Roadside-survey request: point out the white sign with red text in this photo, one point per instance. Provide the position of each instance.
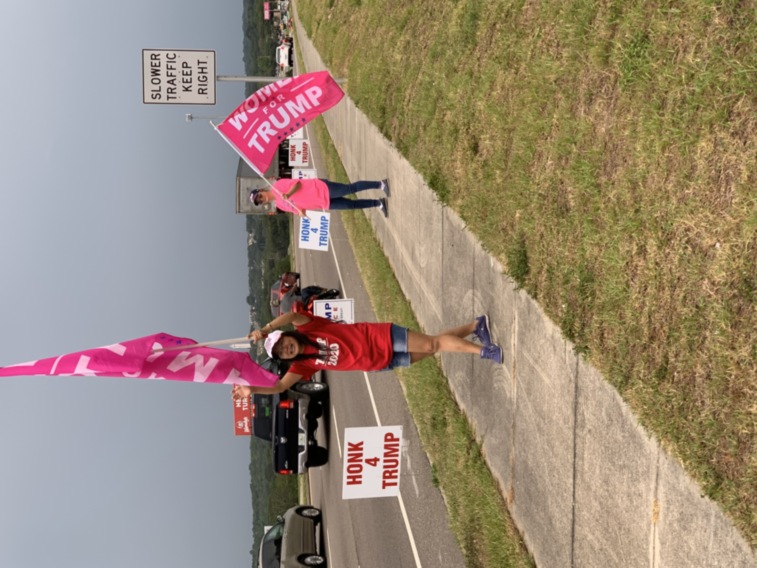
(371, 462)
(299, 152)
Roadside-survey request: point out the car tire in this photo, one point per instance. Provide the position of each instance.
(311, 560)
(310, 513)
(317, 456)
(315, 411)
(312, 388)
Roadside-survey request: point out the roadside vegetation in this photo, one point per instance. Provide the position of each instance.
(604, 151)
(477, 511)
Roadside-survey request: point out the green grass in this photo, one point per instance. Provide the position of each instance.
(605, 153)
(478, 514)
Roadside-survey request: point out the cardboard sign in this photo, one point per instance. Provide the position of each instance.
(299, 173)
(342, 309)
(314, 230)
(372, 462)
(242, 417)
(299, 152)
(299, 134)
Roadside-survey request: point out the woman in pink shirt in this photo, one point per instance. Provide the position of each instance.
(298, 196)
(322, 344)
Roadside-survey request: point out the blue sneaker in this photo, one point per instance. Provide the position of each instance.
(493, 352)
(482, 332)
(385, 187)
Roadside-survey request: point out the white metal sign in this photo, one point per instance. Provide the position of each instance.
(314, 230)
(299, 134)
(342, 309)
(299, 152)
(178, 77)
(371, 462)
(299, 173)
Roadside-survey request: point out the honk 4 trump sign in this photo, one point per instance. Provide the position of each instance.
(371, 462)
(314, 230)
(271, 114)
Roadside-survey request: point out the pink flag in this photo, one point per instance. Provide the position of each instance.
(138, 359)
(257, 127)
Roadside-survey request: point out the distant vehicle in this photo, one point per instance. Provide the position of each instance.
(287, 296)
(284, 57)
(262, 416)
(295, 421)
(293, 540)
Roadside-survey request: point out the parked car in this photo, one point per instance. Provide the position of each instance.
(295, 415)
(295, 421)
(262, 416)
(284, 57)
(293, 540)
(284, 292)
(287, 296)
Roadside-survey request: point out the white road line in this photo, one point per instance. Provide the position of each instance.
(328, 546)
(336, 429)
(410, 536)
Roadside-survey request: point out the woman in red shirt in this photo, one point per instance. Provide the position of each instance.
(321, 344)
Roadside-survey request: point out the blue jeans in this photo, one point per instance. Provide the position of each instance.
(338, 191)
(400, 358)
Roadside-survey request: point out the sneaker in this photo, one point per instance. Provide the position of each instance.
(384, 207)
(385, 187)
(493, 352)
(482, 332)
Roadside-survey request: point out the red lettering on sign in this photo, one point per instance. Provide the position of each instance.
(390, 476)
(354, 463)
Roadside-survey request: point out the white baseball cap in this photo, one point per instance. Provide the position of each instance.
(270, 341)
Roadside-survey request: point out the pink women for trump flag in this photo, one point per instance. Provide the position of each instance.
(142, 358)
(257, 127)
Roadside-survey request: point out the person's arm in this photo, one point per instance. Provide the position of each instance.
(239, 392)
(295, 188)
(295, 318)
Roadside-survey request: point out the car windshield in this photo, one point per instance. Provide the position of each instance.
(270, 550)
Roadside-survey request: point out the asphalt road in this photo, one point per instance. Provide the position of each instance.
(411, 530)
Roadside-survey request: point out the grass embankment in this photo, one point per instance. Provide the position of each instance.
(605, 153)
(477, 511)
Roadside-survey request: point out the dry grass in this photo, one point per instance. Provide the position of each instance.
(605, 152)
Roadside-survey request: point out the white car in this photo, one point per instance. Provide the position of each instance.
(283, 57)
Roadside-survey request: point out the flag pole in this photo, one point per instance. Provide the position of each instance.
(204, 344)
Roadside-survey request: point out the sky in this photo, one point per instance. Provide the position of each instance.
(117, 222)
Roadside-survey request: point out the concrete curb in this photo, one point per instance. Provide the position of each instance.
(586, 485)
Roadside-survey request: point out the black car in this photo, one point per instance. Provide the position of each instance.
(295, 421)
(295, 415)
(262, 416)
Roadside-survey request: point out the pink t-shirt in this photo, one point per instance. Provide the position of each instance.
(346, 347)
(313, 195)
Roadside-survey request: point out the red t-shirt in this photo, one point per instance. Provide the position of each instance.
(346, 346)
